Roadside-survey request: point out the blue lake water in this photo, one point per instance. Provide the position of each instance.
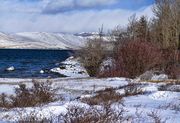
(28, 62)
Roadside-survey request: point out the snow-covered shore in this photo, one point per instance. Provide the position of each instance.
(164, 101)
(71, 68)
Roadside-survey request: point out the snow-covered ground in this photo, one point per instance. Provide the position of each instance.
(71, 68)
(164, 103)
(155, 101)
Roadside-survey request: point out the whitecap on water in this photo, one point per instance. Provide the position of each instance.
(10, 68)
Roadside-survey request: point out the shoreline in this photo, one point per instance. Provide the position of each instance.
(46, 49)
(15, 81)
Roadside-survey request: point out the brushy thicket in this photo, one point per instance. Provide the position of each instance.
(170, 66)
(105, 112)
(92, 56)
(110, 96)
(133, 58)
(39, 93)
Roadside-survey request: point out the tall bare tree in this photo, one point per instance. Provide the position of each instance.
(166, 26)
(139, 28)
(166, 23)
(132, 27)
(143, 29)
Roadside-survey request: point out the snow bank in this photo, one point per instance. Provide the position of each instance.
(161, 77)
(152, 76)
(71, 68)
(164, 95)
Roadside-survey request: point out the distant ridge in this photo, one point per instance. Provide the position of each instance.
(41, 40)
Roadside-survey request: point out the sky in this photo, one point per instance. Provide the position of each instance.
(69, 16)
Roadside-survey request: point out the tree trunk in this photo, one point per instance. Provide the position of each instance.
(178, 52)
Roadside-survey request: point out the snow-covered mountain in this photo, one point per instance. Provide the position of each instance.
(41, 40)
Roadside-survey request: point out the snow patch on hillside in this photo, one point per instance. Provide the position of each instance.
(41, 40)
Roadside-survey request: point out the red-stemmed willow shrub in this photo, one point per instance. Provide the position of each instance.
(133, 58)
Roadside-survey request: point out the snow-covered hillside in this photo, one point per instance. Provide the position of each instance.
(41, 40)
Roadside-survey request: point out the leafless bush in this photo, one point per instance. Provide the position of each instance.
(133, 89)
(133, 58)
(76, 114)
(172, 106)
(154, 115)
(173, 70)
(92, 55)
(40, 93)
(171, 86)
(169, 64)
(32, 119)
(4, 102)
(107, 96)
(175, 107)
(93, 115)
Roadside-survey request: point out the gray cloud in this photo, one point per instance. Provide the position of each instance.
(56, 6)
(21, 6)
(16, 16)
(71, 22)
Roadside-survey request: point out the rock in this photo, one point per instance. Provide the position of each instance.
(153, 76)
(41, 71)
(62, 67)
(146, 76)
(107, 64)
(55, 69)
(81, 72)
(10, 68)
(161, 77)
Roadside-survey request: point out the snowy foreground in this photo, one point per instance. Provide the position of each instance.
(154, 103)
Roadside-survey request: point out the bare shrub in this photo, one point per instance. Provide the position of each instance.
(43, 91)
(4, 102)
(175, 106)
(154, 115)
(173, 70)
(107, 96)
(40, 93)
(150, 117)
(133, 58)
(93, 115)
(133, 89)
(171, 86)
(172, 106)
(23, 97)
(92, 55)
(75, 114)
(33, 119)
(170, 65)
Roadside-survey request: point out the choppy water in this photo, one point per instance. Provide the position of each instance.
(28, 62)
